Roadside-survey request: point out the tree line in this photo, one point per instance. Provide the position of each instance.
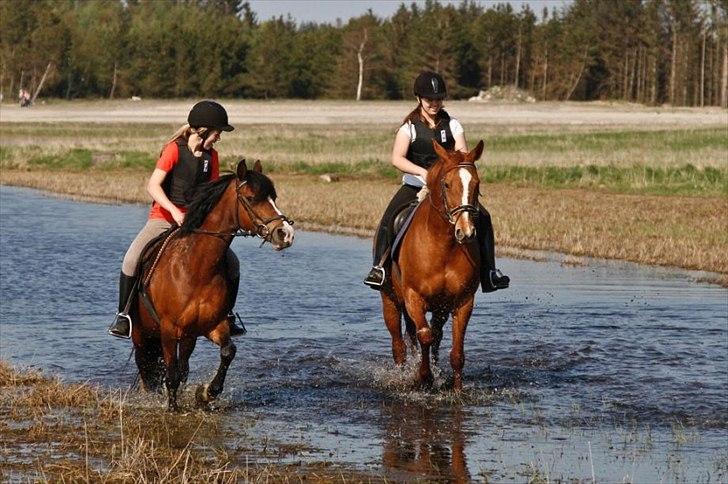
(644, 51)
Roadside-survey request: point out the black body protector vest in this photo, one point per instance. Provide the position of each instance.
(187, 173)
(421, 151)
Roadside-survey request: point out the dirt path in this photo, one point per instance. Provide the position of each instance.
(244, 112)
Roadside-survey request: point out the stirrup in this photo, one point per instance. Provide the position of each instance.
(376, 277)
(498, 280)
(115, 330)
(236, 330)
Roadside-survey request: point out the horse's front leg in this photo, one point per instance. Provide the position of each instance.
(439, 318)
(186, 347)
(221, 337)
(416, 308)
(460, 318)
(393, 321)
(171, 363)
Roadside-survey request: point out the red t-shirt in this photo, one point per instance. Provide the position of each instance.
(169, 157)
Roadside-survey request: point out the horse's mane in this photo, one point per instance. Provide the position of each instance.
(207, 195)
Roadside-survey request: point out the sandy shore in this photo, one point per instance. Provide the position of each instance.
(245, 112)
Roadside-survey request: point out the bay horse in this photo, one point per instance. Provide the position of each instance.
(189, 292)
(436, 268)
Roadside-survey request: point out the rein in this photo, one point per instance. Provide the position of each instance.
(452, 215)
(261, 225)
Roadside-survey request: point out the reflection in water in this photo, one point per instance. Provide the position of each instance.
(424, 442)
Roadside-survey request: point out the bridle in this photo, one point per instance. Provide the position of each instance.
(261, 225)
(452, 215)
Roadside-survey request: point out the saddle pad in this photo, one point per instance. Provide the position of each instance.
(412, 208)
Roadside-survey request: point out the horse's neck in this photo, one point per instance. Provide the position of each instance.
(220, 220)
(433, 214)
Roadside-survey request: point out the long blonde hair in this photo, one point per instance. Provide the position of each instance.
(184, 132)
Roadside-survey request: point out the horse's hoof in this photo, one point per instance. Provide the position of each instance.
(202, 394)
(424, 383)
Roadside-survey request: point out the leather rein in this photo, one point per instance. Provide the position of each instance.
(452, 214)
(261, 225)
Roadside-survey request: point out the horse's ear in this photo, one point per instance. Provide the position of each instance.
(258, 167)
(441, 152)
(242, 169)
(476, 152)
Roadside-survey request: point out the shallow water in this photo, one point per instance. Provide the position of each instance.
(611, 366)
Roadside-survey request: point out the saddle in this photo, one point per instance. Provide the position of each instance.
(147, 264)
(400, 224)
(150, 254)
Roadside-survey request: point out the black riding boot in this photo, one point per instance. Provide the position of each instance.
(235, 330)
(121, 327)
(491, 279)
(377, 275)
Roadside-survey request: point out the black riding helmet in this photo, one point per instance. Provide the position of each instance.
(209, 114)
(430, 85)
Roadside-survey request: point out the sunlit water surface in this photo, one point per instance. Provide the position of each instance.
(612, 369)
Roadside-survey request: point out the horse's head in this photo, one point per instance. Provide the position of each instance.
(454, 180)
(257, 211)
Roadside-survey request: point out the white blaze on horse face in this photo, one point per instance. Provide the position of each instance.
(287, 229)
(465, 179)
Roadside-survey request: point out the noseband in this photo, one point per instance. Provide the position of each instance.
(452, 214)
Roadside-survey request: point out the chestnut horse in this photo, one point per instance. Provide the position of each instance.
(436, 268)
(189, 292)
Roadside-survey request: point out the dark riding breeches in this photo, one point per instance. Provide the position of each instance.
(408, 194)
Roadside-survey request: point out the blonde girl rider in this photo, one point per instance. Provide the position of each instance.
(187, 160)
(413, 154)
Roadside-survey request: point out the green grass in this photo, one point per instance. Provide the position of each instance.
(664, 140)
(665, 162)
(683, 180)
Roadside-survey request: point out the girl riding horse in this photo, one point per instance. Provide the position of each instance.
(187, 160)
(413, 154)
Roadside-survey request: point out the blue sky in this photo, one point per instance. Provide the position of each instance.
(329, 10)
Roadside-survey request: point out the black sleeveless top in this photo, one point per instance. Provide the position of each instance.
(420, 151)
(188, 172)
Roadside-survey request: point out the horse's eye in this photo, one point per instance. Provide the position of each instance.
(447, 185)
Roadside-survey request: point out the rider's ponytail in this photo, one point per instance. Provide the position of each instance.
(184, 132)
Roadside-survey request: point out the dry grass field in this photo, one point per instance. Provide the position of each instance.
(58, 432)
(628, 182)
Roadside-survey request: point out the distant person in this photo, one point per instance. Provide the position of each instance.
(24, 98)
(186, 161)
(413, 154)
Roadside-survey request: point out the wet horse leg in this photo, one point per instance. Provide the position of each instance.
(146, 355)
(417, 308)
(171, 362)
(461, 316)
(221, 337)
(393, 321)
(186, 347)
(439, 318)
